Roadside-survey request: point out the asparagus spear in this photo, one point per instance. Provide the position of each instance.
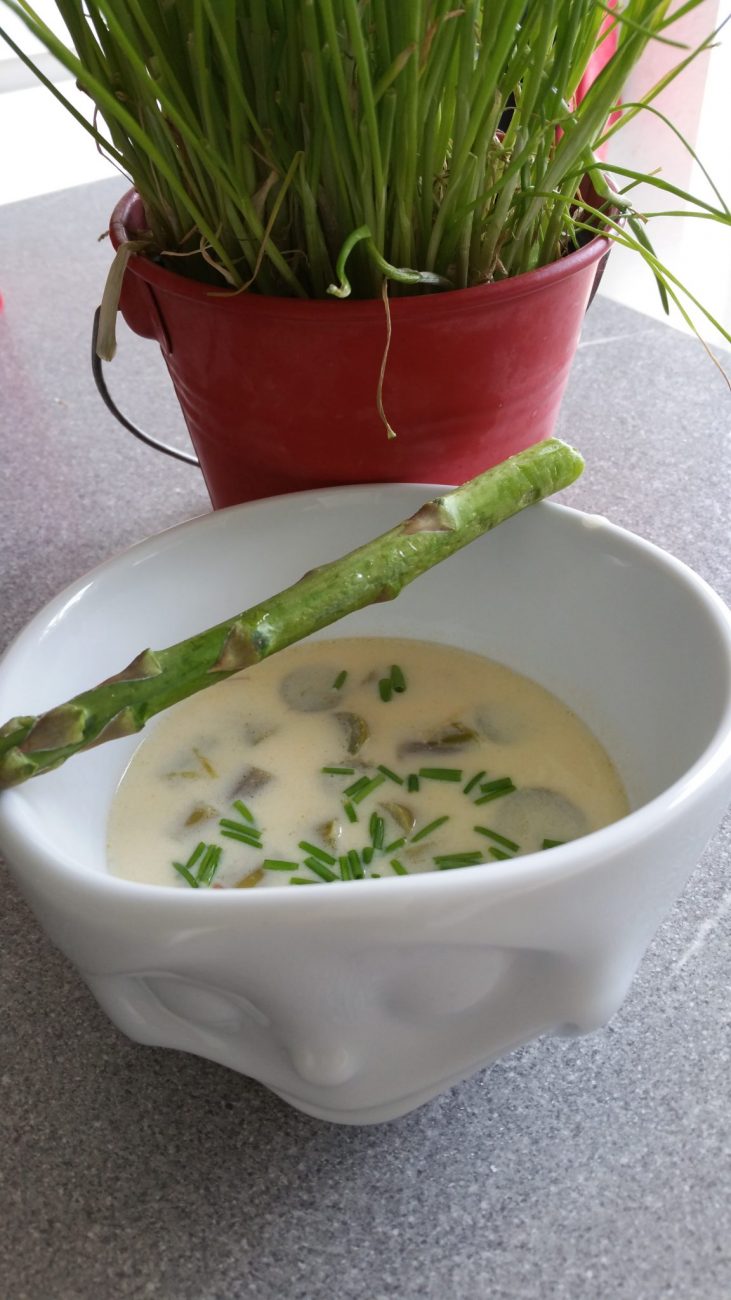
(377, 571)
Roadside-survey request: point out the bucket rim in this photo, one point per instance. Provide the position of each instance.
(452, 301)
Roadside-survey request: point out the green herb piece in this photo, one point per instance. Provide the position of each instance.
(367, 854)
(392, 776)
(500, 854)
(340, 679)
(350, 790)
(474, 781)
(302, 880)
(279, 864)
(394, 845)
(316, 852)
(186, 874)
(320, 869)
(355, 864)
(502, 783)
(398, 681)
(427, 830)
(441, 773)
(412, 783)
(338, 771)
(368, 788)
(552, 844)
(345, 872)
(227, 824)
(350, 812)
(197, 851)
(499, 839)
(375, 875)
(398, 867)
(449, 861)
(242, 839)
(209, 864)
(385, 689)
(495, 790)
(376, 830)
(243, 811)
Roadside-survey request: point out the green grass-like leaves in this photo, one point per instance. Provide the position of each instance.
(331, 145)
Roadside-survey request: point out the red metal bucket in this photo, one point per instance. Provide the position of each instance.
(280, 394)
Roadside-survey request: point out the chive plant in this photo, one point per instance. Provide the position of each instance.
(336, 145)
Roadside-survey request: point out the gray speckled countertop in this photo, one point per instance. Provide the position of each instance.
(589, 1169)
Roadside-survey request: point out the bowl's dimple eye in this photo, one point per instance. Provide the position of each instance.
(209, 1007)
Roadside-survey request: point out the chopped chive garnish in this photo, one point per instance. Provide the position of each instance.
(301, 880)
(316, 852)
(279, 864)
(320, 869)
(199, 848)
(500, 854)
(441, 773)
(186, 874)
(367, 854)
(368, 788)
(427, 830)
(448, 861)
(494, 794)
(392, 776)
(502, 783)
(412, 784)
(398, 681)
(338, 771)
(499, 839)
(209, 864)
(340, 679)
(350, 790)
(355, 865)
(399, 867)
(345, 872)
(243, 811)
(375, 875)
(378, 833)
(226, 824)
(350, 812)
(552, 844)
(394, 845)
(475, 780)
(252, 841)
(372, 823)
(385, 689)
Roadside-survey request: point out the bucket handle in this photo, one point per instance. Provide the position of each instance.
(101, 383)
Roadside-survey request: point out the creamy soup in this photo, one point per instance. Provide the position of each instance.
(357, 759)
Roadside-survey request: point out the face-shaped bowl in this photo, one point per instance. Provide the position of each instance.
(358, 1003)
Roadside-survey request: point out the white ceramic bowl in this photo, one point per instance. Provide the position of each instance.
(358, 1004)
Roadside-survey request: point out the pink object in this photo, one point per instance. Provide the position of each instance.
(279, 394)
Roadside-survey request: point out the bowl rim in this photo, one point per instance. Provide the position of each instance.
(17, 825)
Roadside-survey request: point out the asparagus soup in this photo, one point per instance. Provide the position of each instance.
(352, 759)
